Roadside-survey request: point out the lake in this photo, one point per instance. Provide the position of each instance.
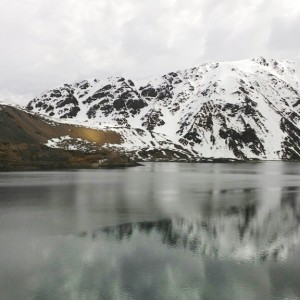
(159, 231)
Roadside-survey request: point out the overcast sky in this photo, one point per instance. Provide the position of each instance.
(45, 43)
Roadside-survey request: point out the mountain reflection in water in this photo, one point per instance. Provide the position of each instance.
(238, 232)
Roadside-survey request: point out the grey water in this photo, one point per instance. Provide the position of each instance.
(160, 231)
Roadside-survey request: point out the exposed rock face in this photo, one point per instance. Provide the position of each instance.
(240, 110)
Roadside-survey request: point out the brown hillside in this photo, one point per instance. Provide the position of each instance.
(17, 126)
(23, 135)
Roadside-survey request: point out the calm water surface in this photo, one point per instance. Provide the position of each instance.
(161, 231)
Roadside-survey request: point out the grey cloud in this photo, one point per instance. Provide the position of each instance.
(50, 42)
(285, 35)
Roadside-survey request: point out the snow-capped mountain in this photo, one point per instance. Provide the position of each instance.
(247, 109)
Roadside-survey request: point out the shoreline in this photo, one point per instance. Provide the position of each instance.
(111, 166)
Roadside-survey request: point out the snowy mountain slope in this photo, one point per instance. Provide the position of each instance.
(241, 110)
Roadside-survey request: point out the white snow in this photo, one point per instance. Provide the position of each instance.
(69, 143)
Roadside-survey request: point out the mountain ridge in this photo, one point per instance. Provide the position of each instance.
(246, 109)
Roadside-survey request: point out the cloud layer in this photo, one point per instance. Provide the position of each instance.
(45, 43)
